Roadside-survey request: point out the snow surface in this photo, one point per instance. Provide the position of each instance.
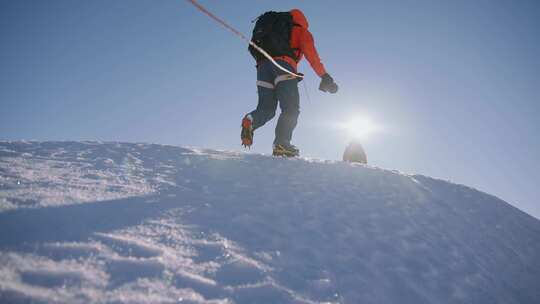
(90, 222)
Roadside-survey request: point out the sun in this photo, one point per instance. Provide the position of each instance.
(360, 128)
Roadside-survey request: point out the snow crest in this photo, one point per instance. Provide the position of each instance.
(56, 174)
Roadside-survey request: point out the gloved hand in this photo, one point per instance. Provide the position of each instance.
(328, 84)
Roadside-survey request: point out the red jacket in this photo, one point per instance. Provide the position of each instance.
(302, 40)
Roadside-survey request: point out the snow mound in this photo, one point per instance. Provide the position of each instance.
(84, 222)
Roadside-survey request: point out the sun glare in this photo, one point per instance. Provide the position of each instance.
(360, 128)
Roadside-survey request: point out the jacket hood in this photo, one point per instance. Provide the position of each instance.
(299, 18)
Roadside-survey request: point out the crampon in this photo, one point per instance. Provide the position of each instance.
(247, 132)
(285, 150)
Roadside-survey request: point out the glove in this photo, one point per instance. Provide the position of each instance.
(328, 84)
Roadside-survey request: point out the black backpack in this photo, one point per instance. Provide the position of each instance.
(272, 33)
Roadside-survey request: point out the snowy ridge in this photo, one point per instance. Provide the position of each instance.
(60, 173)
(137, 223)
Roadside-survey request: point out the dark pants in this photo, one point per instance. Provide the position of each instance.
(273, 86)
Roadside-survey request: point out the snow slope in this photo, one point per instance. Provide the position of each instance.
(85, 222)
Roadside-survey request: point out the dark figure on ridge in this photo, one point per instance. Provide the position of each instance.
(354, 153)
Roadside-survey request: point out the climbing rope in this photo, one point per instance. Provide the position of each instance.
(237, 33)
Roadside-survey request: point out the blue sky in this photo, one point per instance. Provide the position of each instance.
(454, 85)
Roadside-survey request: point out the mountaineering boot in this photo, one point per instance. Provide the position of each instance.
(286, 150)
(247, 131)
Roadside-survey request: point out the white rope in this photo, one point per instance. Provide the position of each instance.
(232, 29)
